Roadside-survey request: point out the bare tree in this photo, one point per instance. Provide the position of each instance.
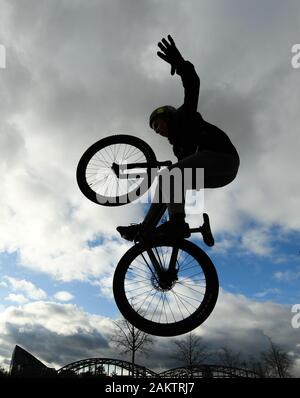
(277, 362)
(3, 373)
(227, 357)
(129, 339)
(191, 350)
(257, 366)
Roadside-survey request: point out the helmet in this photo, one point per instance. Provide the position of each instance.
(165, 110)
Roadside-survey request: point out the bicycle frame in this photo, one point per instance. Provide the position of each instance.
(171, 269)
(120, 169)
(158, 266)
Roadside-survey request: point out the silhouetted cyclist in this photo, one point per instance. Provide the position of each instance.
(196, 144)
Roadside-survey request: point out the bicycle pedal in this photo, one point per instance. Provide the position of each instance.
(206, 231)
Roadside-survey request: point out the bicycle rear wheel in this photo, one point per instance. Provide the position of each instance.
(169, 309)
(99, 182)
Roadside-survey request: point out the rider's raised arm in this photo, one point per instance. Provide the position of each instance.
(191, 84)
(185, 69)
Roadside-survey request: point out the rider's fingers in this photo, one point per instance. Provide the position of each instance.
(171, 40)
(163, 56)
(162, 47)
(165, 43)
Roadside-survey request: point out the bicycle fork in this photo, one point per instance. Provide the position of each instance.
(165, 275)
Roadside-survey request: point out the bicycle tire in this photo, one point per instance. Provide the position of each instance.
(137, 316)
(108, 147)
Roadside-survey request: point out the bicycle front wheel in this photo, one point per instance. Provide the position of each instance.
(97, 178)
(171, 306)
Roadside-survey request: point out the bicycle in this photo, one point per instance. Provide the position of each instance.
(164, 287)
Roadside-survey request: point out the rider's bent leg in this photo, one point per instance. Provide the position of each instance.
(154, 215)
(176, 227)
(171, 195)
(220, 170)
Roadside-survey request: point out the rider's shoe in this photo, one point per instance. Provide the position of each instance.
(174, 229)
(130, 232)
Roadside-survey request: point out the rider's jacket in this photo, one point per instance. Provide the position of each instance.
(190, 132)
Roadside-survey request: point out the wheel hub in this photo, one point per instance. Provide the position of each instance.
(116, 169)
(165, 281)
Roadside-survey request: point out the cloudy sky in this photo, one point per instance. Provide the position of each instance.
(77, 71)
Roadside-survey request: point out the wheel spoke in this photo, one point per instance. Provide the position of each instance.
(100, 176)
(165, 301)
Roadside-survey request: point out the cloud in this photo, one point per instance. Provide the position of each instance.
(257, 241)
(287, 276)
(17, 298)
(63, 296)
(65, 88)
(28, 288)
(267, 292)
(77, 72)
(56, 333)
(64, 333)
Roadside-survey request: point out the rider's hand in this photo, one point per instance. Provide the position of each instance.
(170, 53)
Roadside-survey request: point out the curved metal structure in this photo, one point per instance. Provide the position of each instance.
(25, 364)
(107, 367)
(208, 371)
